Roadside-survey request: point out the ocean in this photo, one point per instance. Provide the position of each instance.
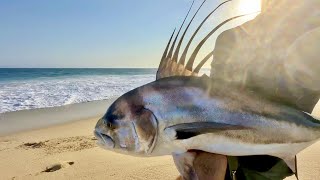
(22, 89)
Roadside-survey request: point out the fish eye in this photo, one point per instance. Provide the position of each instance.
(109, 125)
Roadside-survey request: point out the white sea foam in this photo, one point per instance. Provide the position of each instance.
(41, 93)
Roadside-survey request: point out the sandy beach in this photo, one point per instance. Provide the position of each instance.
(66, 149)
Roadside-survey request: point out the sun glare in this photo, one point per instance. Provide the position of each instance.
(247, 6)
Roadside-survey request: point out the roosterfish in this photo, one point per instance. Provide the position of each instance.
(248, 106)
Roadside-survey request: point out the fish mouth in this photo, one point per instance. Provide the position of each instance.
(104, 140)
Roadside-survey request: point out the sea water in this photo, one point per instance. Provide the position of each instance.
(22, 89)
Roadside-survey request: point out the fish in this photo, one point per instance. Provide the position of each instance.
(176, 114)
(239, 113)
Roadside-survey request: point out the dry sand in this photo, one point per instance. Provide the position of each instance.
(73, 143)
(68, 151)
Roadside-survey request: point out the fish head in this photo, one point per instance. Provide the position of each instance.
(127, 127)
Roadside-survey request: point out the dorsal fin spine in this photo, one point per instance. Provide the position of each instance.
(176, 53)
(184, 54)
(195, 52)
(174, 42)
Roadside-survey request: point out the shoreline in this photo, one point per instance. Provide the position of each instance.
(25, 120)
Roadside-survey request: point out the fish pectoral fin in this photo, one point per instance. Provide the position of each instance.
(188, 130)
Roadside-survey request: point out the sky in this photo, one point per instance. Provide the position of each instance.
(101, 33)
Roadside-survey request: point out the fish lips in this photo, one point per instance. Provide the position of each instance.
(104, 140)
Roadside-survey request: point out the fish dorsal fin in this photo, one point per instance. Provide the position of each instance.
(171, 64)
(189, 130)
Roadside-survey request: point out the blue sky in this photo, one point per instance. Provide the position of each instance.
(99, 33)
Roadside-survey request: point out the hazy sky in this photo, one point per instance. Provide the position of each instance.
(97, 33)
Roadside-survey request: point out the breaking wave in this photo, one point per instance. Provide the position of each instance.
(51, 92)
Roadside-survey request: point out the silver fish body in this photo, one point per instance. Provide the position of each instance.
(178, 114)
